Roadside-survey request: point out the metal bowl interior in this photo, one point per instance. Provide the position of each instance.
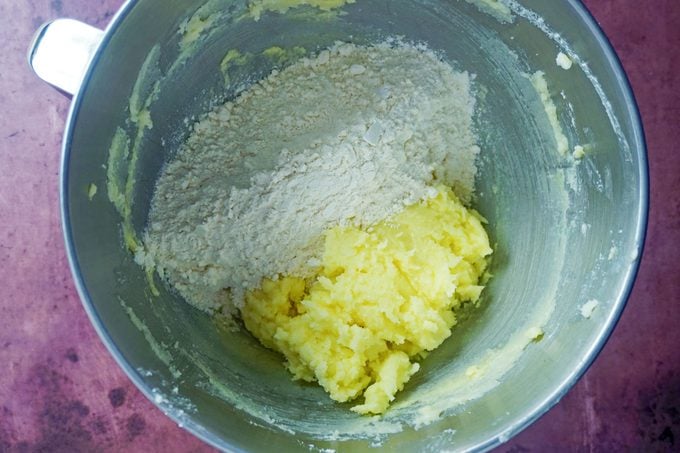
(565, 232)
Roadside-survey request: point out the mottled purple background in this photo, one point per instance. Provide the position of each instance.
(61, 391)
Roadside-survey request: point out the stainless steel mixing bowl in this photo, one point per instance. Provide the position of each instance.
(566, 231)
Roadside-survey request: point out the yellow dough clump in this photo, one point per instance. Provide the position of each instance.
(382, 298)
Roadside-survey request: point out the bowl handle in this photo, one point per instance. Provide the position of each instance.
(61, 53)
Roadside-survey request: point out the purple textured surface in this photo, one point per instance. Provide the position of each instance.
(61, 391)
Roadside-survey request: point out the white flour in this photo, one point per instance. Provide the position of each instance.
(352, 135)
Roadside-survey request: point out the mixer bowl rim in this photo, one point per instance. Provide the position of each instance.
(499, 435)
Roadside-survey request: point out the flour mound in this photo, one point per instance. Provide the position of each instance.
(348, 137)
